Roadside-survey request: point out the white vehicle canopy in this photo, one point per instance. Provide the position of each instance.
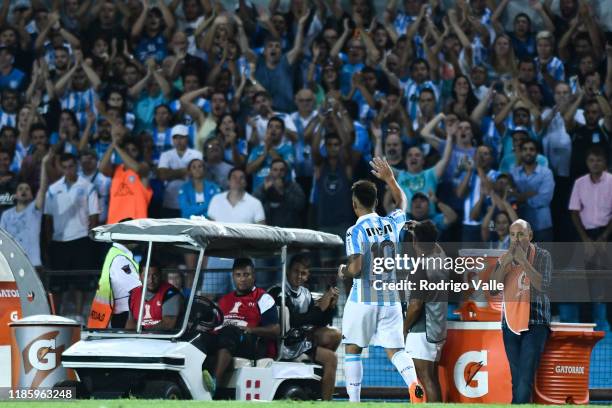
(213, 239)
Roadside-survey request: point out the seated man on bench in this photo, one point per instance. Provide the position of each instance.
(163, 306)
(250, 326)
(312, 319)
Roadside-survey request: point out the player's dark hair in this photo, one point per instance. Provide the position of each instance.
(425, 234)
(365, 192)
(241, 263)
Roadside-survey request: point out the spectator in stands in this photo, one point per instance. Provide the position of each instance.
(479, 177)
(273, 69)
(217, 170)
(420, 211)
(312, 317)
(250, 325)
(30, 166)
(130, 193)
(257, 126)
(9, 107)
(10, 76)
(513, 160)
(23, 221)
(592, 217)
(164, 305)
(172, 168)
(8, 182)
(332, 183)
(283, 199)
(534, 190)
(89, 170)
(71, 210)
(196, 193)
(274, 147)
(415, 178)
(592, 133)
(495, 227)
(236, 205)
(525, 269)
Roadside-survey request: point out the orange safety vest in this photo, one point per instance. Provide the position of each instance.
(129, 198)
(517, 296)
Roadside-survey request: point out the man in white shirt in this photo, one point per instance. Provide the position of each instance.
(257, 126)
(236, 205)
(71, 209)
(232, 206)
(89, 170)
(173, 169)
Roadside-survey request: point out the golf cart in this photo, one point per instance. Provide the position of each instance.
(147, 364)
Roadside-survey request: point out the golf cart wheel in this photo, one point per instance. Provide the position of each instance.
(160, 389)
(78, 388)
(292, 391)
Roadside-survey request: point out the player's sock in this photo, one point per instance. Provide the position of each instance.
(404, 364)
(353, 373)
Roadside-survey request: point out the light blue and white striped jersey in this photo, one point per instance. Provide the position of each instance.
(7, 119)
(412, 91)
(554, 67)
(374, 236)
(78, 101)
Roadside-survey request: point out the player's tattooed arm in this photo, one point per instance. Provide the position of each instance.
(353, 267)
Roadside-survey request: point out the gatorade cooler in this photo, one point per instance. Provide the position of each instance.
(481, 306)
(563, 375)
(473, 367)
(21, 294)
(37, 346)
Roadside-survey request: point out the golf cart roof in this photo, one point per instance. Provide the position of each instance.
(219, 239)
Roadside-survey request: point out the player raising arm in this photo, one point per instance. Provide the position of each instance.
(370, 313)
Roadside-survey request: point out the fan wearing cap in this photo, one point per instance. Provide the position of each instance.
(419, 211)
(173, 169)
(518, 136)
(10, 77)
(521, 117)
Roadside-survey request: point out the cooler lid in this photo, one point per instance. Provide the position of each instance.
(44, 320)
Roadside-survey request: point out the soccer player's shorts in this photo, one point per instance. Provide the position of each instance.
(418, 347)
(365, 325)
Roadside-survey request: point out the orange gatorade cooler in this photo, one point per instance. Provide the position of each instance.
(37, 346)
(563, 375)
(473, 366)
(21, 294)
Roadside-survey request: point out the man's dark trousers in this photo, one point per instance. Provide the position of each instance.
(523, 352)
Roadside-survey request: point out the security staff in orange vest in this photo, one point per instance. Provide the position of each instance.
(130, 192)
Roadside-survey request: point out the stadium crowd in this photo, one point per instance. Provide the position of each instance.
(243, 113)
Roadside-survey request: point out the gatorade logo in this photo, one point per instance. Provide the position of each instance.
(42, 354)
(470, 379)
(569, 369)
(9, 293)
(123, 191)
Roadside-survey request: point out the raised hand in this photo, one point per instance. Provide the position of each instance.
(381, 169)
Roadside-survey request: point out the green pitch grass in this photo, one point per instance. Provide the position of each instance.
(125, 403)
